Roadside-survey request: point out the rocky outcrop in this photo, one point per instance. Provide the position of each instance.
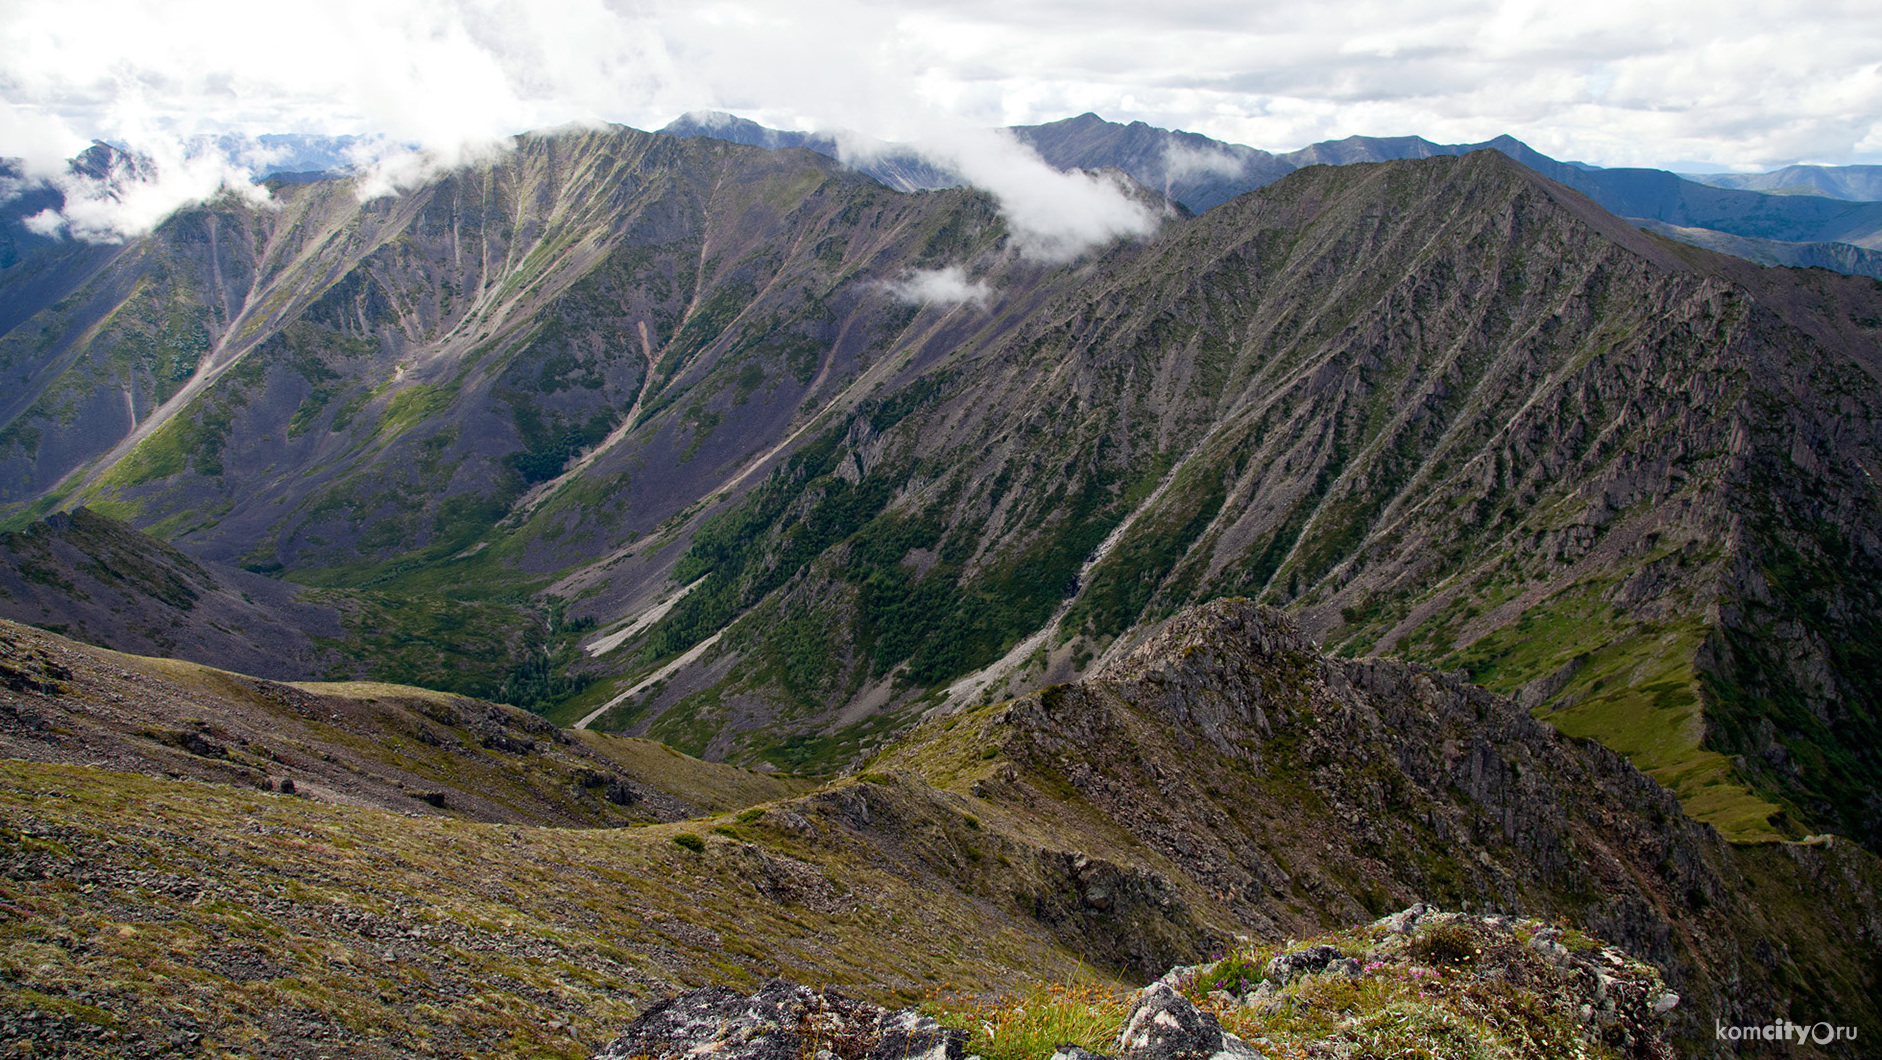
(1297, 790)
(782, 1021)
(1163, 1025)
(1476, 967)
(1419, 982)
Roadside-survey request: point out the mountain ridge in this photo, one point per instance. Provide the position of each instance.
(1202, 173)
(1430, 405)
(1036, 834)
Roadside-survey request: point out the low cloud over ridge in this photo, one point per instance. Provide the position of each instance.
(944, 286)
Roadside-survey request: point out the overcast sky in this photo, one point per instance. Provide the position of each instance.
(1637, 82)
(1632, 82)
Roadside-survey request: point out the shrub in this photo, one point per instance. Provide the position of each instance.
(1445, 944)
(1033, 1025)
(690, 842)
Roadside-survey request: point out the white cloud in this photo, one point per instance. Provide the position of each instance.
(1181, 161)
(392, 169)
(1053, 216)
(136, 192)
(947, 286)
(1723, 81)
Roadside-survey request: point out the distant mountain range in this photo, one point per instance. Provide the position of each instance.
(1837, 182)
(1802, 215)
(1759, 217)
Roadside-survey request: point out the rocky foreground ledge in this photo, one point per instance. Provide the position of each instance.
(1417, 983)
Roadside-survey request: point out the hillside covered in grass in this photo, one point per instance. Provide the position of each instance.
(160, 878)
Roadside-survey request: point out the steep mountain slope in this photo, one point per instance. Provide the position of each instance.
(1218, 780)
(1433, 406)
(388, 339)
(1442, 408)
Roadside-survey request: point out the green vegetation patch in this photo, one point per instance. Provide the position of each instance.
(1123, 584)
(1634, 687)
(192, 439)
(507, 652)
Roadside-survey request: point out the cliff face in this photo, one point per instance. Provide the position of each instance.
(1442, 409)
(1299, 791)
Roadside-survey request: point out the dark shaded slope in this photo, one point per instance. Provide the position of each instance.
(101, 581)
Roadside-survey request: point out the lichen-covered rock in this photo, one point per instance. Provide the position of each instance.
(1164, 1025)
(909, 1035)
(1289, 965)
(782, 1021)
(1571, 990)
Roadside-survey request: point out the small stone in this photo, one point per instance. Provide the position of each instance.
(1289, 965)
(1402, 922)
(1665, 1004)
